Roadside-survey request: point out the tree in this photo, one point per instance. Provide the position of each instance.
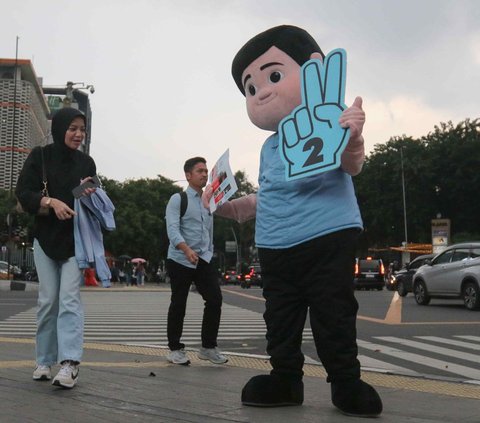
(440, 176)
(140, 217)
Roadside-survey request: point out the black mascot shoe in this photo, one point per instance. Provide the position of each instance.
(272, 391)
(356, 398)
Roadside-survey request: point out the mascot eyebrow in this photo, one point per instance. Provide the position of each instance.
(265, 66)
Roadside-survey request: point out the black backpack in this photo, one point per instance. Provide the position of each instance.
(183, 203)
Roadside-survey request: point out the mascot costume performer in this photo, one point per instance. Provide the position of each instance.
(306, 226)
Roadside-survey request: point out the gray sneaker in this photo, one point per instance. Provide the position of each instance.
(42, 372)
(178, 357)
(212, 355)
(67, 376)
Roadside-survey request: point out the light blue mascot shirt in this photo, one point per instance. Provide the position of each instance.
(290, 213)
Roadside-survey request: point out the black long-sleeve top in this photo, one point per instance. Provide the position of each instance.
(65, 168)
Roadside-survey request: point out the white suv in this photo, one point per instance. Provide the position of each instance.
(454, 273)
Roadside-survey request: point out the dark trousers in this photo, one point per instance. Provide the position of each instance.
(318, 276)
(206, 282)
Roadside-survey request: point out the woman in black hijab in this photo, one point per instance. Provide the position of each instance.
(60, 317)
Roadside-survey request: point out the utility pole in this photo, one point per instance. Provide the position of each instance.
(237, 267)
(404, 201)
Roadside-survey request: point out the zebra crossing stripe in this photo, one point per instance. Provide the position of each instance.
(432, 348)
(372, 363)
(445, 366)
(469, 337)
(461, 344)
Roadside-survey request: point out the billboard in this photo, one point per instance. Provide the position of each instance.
(440, 234)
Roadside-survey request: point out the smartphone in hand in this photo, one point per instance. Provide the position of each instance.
(91, 183)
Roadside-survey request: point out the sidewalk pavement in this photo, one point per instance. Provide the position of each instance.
(122, 383)
(136, 384)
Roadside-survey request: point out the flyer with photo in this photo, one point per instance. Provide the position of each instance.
(222, 181)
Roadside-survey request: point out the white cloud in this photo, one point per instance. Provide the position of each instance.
(399, 116)
(475, 47)
(161, 69)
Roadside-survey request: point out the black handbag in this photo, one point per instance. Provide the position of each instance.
(43, 210)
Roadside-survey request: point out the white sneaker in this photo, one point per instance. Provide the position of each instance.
(42, 372)
(67, 376)
(212, 355)
(178, 357)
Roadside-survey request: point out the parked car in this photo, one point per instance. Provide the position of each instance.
(401, 280)
(369, 273)
(231, 276)
(454, 273)
(15, 271)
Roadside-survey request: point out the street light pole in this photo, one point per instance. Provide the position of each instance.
(404, 201)
(237, 267)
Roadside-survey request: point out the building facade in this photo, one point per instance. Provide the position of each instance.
(23, 117)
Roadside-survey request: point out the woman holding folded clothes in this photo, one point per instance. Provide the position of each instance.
(60, 316)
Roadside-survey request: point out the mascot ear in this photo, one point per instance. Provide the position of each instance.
(316, 55)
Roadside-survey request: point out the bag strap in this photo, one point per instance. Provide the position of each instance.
(44, 176)
(183, 203)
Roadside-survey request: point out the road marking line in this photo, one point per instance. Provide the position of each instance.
(467, 345)
(241, 294)
(431, 348)
(394, 313)
(393, 316)
(445, 366)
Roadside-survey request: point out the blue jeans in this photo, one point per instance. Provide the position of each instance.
(60, 315)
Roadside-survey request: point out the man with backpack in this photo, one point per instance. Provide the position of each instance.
(190, 231)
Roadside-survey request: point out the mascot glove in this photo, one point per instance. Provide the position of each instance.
(353, 118)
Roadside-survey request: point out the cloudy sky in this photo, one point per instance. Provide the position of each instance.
(161, 69)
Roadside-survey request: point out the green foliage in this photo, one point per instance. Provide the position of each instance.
(19, 221)
(140, 217)
(440, 177)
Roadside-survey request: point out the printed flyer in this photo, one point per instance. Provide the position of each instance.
(222, 181)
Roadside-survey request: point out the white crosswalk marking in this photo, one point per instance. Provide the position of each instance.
(453, 342)
(121, 318)
(469, 337)
(372, 363)
(449, 367)
(432, 348)
(140, 319)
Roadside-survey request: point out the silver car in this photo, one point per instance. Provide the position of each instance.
(454, 273)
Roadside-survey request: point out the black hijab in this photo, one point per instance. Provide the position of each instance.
(60, 123)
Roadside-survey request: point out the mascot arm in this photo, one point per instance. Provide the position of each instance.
(353, 156)
(239, 209)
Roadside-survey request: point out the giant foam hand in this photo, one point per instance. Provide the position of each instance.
(311, 137)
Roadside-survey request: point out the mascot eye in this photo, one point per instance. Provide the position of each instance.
(252, 90)
(276, 77)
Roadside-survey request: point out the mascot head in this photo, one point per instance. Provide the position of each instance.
(267, 71)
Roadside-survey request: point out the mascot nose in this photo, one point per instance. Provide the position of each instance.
(264, 94)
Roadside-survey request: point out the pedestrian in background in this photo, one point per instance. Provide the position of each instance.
(140, 274)
(128, 269)
(189, 260)
(60, 315)
(115, 273)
